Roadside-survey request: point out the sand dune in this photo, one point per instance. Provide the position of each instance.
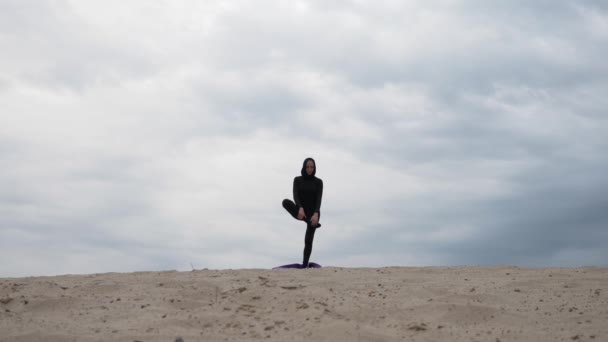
(495, 304)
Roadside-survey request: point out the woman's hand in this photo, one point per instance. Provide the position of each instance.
(301, 214)
(314, 219)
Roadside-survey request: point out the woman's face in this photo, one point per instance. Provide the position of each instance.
(310, 167)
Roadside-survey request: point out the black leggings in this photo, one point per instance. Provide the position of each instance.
(293, 209)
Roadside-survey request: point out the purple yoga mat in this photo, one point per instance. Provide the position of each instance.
(310, 265)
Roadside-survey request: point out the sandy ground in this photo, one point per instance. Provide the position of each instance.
(330, 304)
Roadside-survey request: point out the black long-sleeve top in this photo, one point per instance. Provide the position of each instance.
(307, 193)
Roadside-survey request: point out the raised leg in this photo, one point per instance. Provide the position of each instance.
(291, 208)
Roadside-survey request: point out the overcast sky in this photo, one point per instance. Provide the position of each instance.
(140, 136)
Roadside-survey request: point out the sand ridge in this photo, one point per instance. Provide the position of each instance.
(330, 304)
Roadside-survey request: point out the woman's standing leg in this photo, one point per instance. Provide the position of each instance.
(308, 238)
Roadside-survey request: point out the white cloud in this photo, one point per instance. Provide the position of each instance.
(152, 135)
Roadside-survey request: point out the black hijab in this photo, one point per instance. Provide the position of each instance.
(303, 172)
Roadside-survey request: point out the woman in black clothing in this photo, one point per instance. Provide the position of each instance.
(307, 194)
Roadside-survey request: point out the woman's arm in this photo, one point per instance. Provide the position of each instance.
(296, 195)
(296, 198)
(319, 196)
